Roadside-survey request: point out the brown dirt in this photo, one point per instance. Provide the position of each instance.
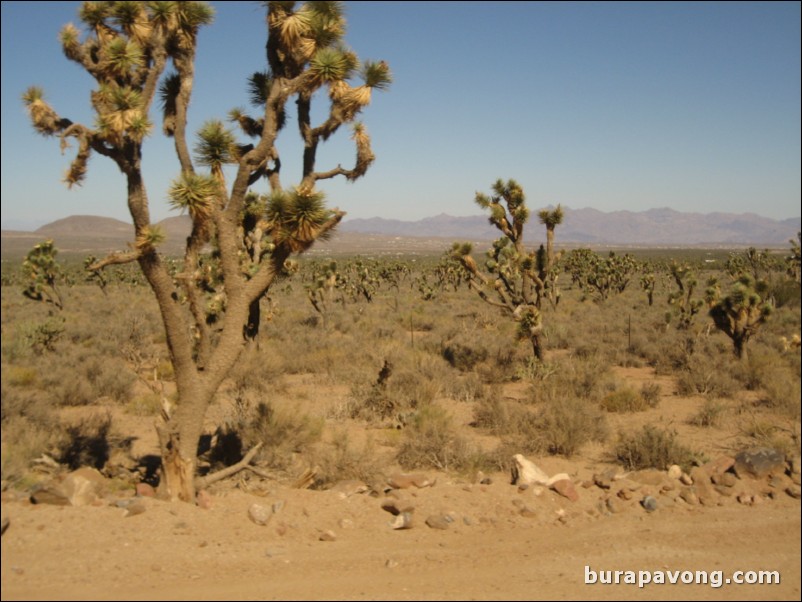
(491, 550)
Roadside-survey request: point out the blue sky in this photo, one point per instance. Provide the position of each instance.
(615, 106)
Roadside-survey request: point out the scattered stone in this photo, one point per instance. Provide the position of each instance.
(468, 521)
(83, 486)
(603, 481)
(50, 494)
(277, 506)
(648, 477)
(486, 481)
(274, 551)
(438, 521)
(746, 499)
(345, 489)
(204, 499)
(649, 503)
(674, 472)
(346, 523)
(4, 525)
(759, 463)
(390, 563)
(145, 490)
(688, 495)
(725, 491)
(613, 505)
(259, 514)
(402, 521)
(327, 535)
(624, 494)
(405, 481)
(704, 489)
(686, 479)
(726, 479)
(566, 489)
(137, 507)
(526, 472)
(794, 491)
(719, 466)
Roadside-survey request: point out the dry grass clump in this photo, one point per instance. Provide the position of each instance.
(628, 399)
(556, 427)
(709, 415)
(652, 447)
(432, 441)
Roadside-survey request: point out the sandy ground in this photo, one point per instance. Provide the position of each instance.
(492, 550)
(502, 542)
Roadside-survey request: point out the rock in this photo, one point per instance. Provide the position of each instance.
(438, 521)
(50, 494)
(648, 477)
(137, 507)
(4, 525)
(726, 479)
(259, 514)
(794, 491)
(145, 490)
(688, 495)
(327, 535)
(674, 472)
(746, 499)
(603, 481)
(759, 463)
(526, 472)
(686, 479)
(719, 466)
(704, 489)
(346, 523)
(795, 467)
(402, 521)
(405, 481)
(395, 507)
(391, 563)
(204, 499)
(566, 489)
(649, 503)
(345, 489)
(83, 487)
(613, 505)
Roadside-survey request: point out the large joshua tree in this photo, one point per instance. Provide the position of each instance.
(210, 308)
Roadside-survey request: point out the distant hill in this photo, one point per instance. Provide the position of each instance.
(590, 226)
(87, 234)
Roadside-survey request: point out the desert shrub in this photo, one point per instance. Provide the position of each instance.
(784, 393)
(652, 447)
(432, 441)
(148, 404)
(622, 400)
(341, 460)
(651, 394)
(393, 395)
(466, 387)
(463, 357)
(709, 415)
(281, 433)
(86, 442)
(562, 428)
(19, 376)
(709, 376)
(583, 378)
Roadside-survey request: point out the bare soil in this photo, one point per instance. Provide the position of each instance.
(503, 543)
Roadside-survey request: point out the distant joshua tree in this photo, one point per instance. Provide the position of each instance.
(516, 279)
(210, 308)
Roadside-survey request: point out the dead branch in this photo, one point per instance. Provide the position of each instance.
(203, 482)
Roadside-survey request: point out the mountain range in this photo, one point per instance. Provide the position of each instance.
(587, 227)
(655, 227)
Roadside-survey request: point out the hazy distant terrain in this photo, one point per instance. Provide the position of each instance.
(84, 234)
